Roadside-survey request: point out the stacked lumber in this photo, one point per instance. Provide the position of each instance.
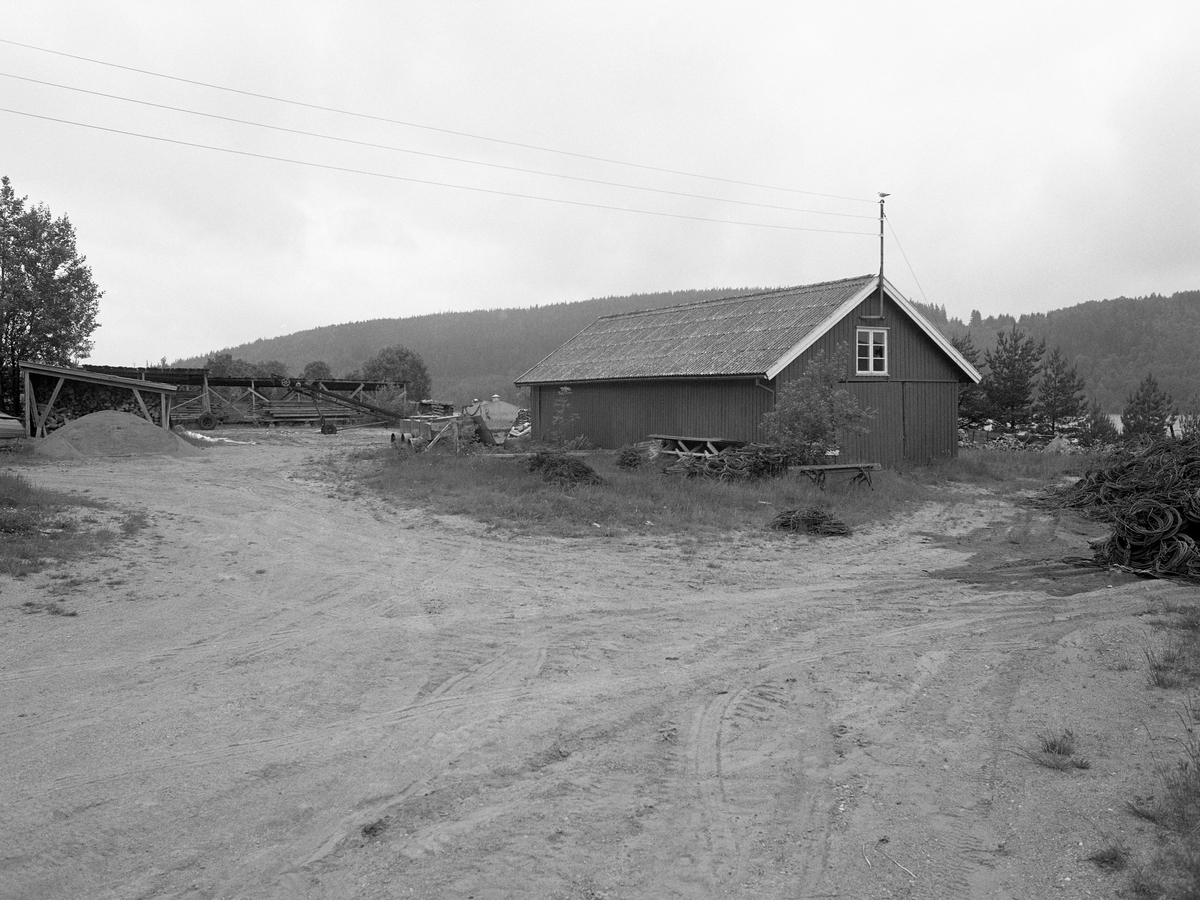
(77, 399)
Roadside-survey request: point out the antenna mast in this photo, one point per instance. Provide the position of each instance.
(882, 195)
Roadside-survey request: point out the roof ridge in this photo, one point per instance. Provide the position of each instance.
(695, 303)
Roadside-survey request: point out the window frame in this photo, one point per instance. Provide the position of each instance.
(872, 331)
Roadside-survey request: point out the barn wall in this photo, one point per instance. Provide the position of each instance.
(915, 405)
(613, 414)
(912, 355)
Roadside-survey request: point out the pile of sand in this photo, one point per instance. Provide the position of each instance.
(109, 433)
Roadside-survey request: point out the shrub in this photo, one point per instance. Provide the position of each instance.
(812, 411)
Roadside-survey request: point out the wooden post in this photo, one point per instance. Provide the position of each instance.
(142, 403)
(30, 405)
(165, 410)
(41, 428)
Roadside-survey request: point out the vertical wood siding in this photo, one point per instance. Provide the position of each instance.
(617, 413)
(915, 405)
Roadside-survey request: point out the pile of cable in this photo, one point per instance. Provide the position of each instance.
(750, 463)
(1151, 495)
(810, 520)
(557, 467)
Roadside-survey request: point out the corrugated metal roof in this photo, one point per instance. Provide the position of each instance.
(741, 335)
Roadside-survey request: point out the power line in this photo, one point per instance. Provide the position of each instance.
(466, 134)
(905, 255)
(461, 187)
(473, 162)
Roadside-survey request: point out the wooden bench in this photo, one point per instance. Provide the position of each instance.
(679, 445)
(862, 472)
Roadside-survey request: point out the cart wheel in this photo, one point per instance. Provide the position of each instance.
(328, 428)
(206, 422)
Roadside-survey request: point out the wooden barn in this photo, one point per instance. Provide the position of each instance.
(711, 369)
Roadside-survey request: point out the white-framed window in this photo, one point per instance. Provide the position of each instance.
(872, 351)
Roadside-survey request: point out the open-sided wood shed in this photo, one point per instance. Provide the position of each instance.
(44, 386)
(711, 369)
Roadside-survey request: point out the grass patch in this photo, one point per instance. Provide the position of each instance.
(501, 492)
(134, 523)
(51, 608)
(1175, 807)
(37, 527)
(1059, 744)
(1176, 660)
(1057, 751)
(1114, 857)
(1018, 470)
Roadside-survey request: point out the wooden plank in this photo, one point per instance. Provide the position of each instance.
(41, 427)
(142, 403)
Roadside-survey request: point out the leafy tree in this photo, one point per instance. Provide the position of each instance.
(812, 411)
(48, 301)
(271, 367)
(1060, 397)
(398, 363)
(1147, 411)
(1012, 376)
(972, 402)
(317, 370)
(1097, 427)
(226, 365)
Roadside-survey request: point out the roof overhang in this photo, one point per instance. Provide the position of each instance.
(638, 379)
(849, 306)
(97, 378)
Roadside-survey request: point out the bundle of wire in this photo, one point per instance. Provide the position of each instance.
(811, 520)
(750, 463)
(1151, 495)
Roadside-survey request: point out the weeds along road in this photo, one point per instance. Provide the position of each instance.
(280, 690)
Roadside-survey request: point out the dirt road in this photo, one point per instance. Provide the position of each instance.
(279, 690)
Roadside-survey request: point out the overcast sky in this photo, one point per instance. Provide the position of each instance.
(1037, 154)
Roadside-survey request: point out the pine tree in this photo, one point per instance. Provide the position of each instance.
(1060, 397)
(1097, 427)
(1012, 376)
(1147, 411)
(972, 402)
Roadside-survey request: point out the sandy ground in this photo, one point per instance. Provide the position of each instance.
(281, 690)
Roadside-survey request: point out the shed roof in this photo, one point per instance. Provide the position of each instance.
(748, 335)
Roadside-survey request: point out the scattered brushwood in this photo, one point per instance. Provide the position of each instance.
(750, 463)
(1150, 493)
(811, 521)
(629, 458)
(561, 468)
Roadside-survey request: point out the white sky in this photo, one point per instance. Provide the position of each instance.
(1038, 154)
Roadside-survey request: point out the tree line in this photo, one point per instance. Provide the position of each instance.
(1023, 387)
(396, 363)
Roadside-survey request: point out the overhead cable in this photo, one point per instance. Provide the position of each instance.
(473, 162)
(466, 134)
(905, 255)
(411, 180)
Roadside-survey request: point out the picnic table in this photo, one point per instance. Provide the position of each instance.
(816, 474)
(681, 445)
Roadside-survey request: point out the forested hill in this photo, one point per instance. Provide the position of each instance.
(1114, 343)
(468, 354)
